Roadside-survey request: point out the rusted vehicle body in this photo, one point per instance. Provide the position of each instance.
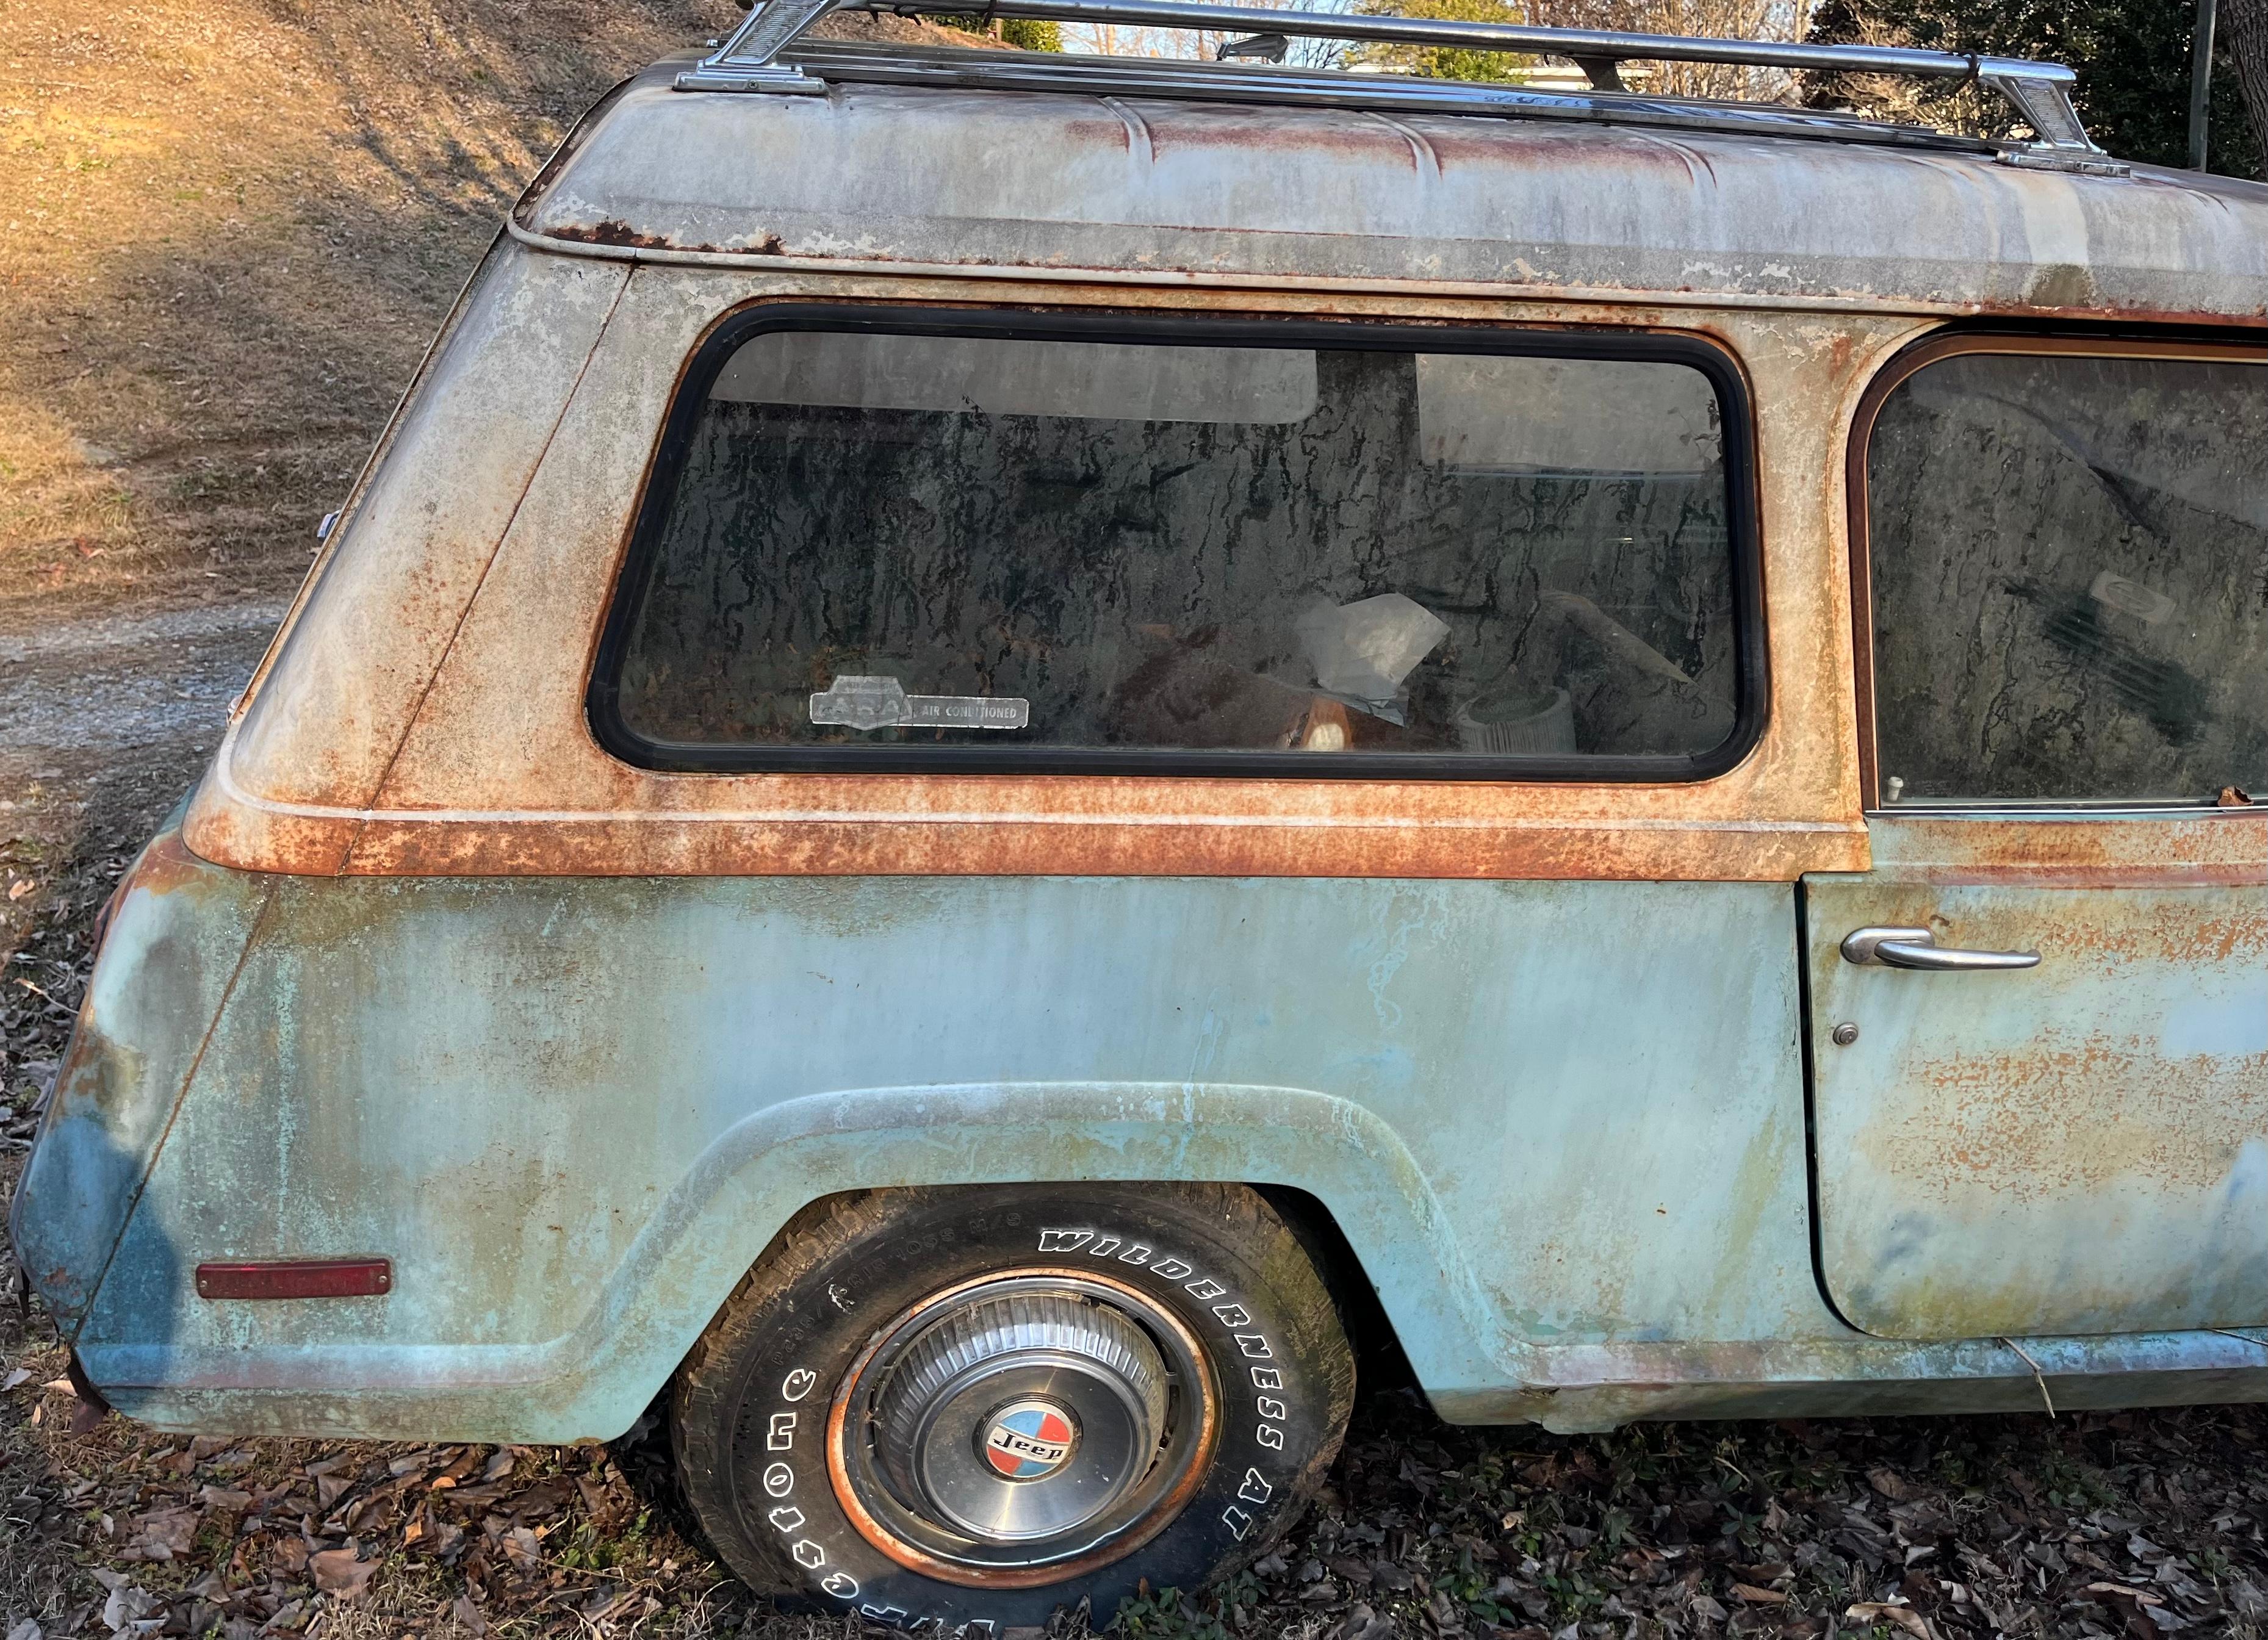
(1086, 733)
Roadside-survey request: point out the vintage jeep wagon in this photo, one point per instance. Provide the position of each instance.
(1006, 743)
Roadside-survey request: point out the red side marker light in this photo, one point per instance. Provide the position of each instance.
(296, 1278)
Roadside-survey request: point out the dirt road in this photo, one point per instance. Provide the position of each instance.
(85, 697)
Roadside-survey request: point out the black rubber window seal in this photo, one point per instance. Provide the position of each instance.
(1751, 672)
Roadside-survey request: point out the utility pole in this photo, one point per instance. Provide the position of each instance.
(2201, 81)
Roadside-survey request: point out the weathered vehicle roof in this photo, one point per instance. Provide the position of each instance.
(425, 710)
(1067, 184)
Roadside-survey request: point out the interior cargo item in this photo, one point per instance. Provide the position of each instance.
(1363, 651)
(1524, 721)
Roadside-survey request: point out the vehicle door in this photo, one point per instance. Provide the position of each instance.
(2039, 1023)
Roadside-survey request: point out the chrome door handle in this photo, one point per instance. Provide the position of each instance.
(1917, 948)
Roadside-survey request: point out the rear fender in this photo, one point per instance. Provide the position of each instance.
(176, 937)
(592, 1381)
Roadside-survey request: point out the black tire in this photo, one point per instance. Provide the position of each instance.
(752, 1401)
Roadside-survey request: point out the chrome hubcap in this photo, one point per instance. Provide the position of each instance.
(1021, 1416)
(1020, 1422)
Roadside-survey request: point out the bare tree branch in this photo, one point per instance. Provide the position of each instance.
(2244, 23)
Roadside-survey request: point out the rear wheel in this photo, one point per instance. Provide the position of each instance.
(974, 1406)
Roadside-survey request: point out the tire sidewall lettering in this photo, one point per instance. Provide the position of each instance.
(1240, 1352)
(1282, 1402)
(802, 1537)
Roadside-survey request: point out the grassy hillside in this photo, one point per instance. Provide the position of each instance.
(230, 227)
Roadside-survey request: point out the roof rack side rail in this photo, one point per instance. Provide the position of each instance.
(748, 60)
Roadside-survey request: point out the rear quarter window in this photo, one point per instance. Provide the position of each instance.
(1002, 544)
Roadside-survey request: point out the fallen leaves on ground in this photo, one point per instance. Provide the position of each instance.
(341, 1571)
(2137, 1524)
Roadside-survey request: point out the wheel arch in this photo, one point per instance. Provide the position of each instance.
(1337, 1174)
(1378, 1352)
(1370, 1329)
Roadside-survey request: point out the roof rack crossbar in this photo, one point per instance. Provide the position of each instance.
(749, 59)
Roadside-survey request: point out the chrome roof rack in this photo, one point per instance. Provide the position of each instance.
(756, 58)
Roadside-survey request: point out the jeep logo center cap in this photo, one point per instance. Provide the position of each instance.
(1028, 1440)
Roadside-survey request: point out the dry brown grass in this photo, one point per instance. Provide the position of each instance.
(230, 226)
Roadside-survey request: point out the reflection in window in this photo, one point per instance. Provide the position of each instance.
(887, 540)
(2070, 573)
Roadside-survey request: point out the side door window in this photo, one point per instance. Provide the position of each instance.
(2041, 1067)
(2068, 570)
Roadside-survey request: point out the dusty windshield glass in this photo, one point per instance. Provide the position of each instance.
(2069, 559)
(897, 540)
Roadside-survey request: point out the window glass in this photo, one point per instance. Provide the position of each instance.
(873, 539)
(2069, 558)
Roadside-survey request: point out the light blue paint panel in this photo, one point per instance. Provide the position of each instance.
(169, 960)
(2078, 1147)
(1561, 1125)
(573, 1112)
